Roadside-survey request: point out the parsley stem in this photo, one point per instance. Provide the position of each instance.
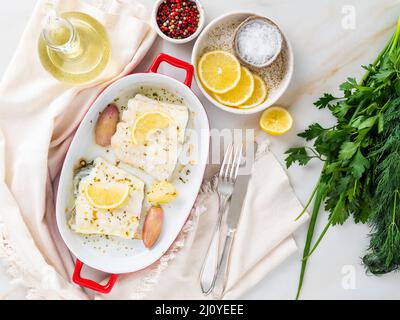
(317, 205)
(360, 105)
(319, 238)
(378, 59)
(333, 216)
(309, 200)
(395, 37)
(316, 155)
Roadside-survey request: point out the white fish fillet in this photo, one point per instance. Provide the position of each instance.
(122, 221)
(159, 156)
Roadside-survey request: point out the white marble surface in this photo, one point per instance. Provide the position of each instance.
(325, 54)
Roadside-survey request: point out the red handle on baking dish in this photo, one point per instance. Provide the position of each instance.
(162, 57)
(90, 284)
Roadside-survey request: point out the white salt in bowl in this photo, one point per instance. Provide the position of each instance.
(250, 45)
(219, 35)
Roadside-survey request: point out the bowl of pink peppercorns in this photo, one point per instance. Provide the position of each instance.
(178, 21)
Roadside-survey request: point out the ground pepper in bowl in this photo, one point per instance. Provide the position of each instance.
(178, 19)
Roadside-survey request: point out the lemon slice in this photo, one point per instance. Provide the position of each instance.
(241, 93)
(106, 196)
(259, 95)
(219, 71)
(147, 123)
(276, 121)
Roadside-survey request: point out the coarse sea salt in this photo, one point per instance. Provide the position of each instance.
(258, 41)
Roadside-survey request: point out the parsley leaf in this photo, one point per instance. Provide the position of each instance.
(348, 150)
(359, 165)
(312, 132)
(340, 110)
(297, 155)
(324, 101)
(349, 85)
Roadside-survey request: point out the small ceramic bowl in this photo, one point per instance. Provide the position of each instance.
(179, 41)
(219, 35)
(236, 41)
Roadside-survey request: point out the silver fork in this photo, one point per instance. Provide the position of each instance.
(226, 181)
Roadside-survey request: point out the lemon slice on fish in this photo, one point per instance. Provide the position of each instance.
(148, 123)
(106, 196)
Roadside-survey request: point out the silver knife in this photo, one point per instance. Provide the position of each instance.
(232, 221)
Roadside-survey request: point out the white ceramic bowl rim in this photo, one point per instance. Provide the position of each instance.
(179, 41)
(264, 105)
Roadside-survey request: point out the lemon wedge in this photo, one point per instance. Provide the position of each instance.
(147, 123)
(106, 196)
(276, 121)
(241, 93)
(219, 71)
(259, 95)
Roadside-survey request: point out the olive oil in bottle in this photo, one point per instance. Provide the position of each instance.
(74, 47)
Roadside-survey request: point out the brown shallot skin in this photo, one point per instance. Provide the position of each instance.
(106, 125)
(152, 226)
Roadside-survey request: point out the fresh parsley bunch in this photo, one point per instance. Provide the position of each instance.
(361, 155)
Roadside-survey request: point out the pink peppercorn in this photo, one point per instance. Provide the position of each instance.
(178, 19)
